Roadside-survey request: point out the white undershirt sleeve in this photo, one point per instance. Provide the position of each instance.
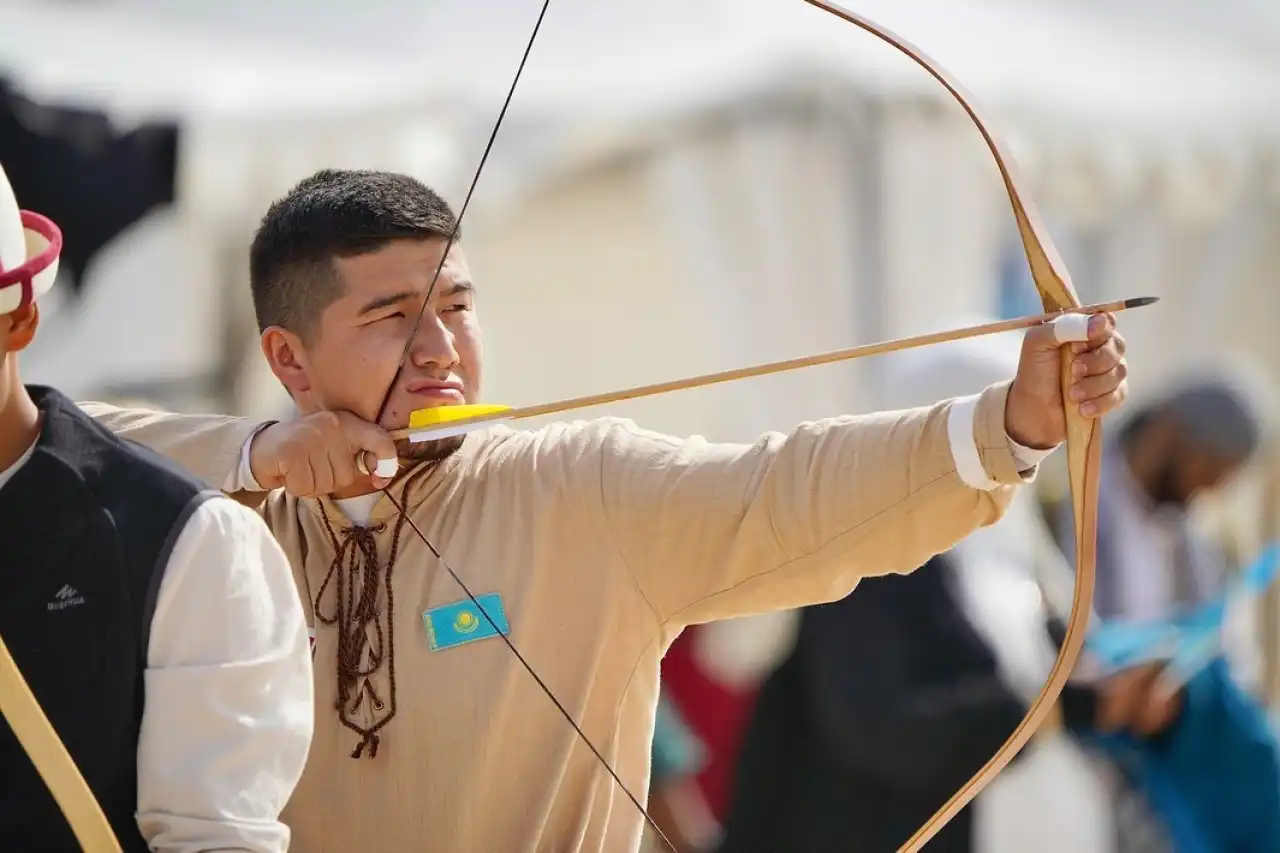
(964, 446)
(229, 707)
(241, 478)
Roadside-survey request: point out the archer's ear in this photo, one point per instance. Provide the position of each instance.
(287, 357)
(20, 330)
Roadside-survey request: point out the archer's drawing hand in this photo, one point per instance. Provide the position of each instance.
(316, 455)
(1034, 413)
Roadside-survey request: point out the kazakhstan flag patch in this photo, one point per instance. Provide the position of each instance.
(462, 622)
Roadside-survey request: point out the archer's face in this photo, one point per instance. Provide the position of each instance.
(354, 352)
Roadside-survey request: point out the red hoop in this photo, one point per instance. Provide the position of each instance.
(24, 274)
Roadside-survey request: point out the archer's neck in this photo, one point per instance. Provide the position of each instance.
(19, 417)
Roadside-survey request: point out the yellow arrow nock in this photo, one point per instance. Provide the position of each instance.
(445, 421)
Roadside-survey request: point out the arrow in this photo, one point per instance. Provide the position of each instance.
(445, 421)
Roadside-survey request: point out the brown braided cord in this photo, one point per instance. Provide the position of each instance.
(354, 573)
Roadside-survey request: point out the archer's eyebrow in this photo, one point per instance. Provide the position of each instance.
(455, 289)
(458, 288)
(386, 302)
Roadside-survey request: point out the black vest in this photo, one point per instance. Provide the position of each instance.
(86, 527)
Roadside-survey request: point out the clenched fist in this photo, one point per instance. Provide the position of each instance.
(317, 455)
(1034, 413)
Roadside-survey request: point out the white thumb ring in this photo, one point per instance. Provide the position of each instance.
(1071, 327)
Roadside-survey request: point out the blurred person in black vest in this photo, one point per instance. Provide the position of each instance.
(157, 623)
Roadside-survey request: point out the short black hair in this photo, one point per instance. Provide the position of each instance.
(335, 213)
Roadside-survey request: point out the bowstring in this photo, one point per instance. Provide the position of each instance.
(386, 398)
(457, 222)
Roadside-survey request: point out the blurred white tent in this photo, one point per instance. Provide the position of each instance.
(140, 67)
(1246, 24)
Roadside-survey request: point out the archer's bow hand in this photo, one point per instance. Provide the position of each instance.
(1035, 412)
(321, 453)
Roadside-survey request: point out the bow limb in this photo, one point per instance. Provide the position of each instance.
(52, 761)
(1083, 435)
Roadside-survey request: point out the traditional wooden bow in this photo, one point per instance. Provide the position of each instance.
(1083, 437)
(52, 761)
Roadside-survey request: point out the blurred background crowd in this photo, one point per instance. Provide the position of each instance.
(747, 180)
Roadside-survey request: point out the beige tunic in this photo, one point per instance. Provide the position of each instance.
(604, 541)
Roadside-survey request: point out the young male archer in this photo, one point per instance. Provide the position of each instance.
(591, 544)
(155, 620)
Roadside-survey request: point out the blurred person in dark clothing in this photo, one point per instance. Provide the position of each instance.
(890, 703)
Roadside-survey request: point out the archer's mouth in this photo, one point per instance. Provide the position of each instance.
(441, 396)
(434, 392)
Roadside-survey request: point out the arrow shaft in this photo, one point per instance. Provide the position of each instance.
(785, 365)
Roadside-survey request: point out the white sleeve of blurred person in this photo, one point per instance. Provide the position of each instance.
(228, 703)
